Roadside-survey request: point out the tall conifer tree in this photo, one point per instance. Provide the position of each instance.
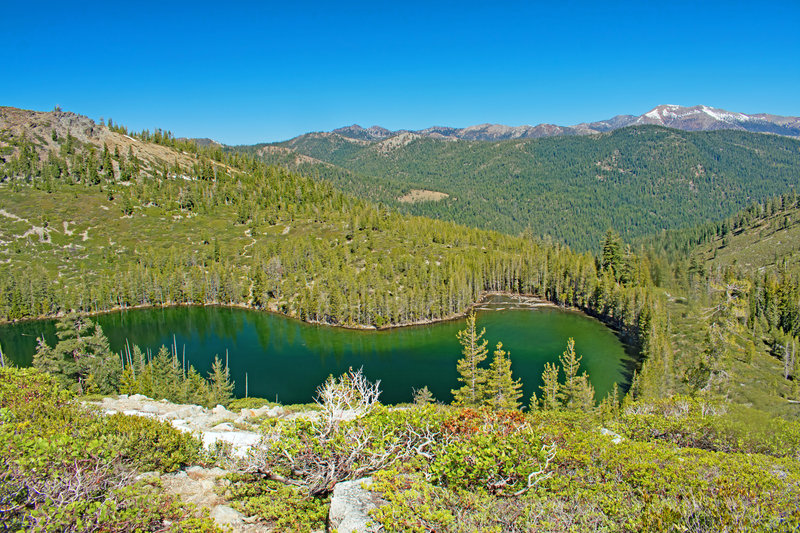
(469, 372)
(502, 390)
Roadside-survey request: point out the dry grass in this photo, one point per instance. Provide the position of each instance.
(422, 195)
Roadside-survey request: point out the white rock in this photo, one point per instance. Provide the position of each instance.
(138, 397)
(261, 411)
(275, 411)
(186, 411)
(146, 475)
(180, 424)
(350, 506)
(615, 437)
(225, 426)
(225, 515)
(240, 441)
(134, 412)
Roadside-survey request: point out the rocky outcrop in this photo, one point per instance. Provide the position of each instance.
(203, 487)
(212, 426)
(197, 485)
(350, 506)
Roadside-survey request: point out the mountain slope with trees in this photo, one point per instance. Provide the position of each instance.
(229, 229)
(106, 230)
(733, 292)
(637, 180)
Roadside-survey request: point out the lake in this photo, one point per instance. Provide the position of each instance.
(285, 359)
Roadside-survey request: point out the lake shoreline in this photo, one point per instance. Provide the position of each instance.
(533, 301)
(287, 358)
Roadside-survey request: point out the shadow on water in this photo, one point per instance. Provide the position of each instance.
(287, 359)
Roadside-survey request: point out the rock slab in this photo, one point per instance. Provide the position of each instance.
(350, 506)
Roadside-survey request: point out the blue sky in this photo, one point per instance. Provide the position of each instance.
(247, 72)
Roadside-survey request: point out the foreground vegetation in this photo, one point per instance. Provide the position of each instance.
(567, 464)
(679, 464)
(65, 469)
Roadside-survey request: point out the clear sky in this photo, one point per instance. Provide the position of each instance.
(247, 72)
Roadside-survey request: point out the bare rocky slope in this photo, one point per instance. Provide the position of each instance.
(45, 128)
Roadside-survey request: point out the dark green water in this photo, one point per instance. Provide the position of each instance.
(287, 359)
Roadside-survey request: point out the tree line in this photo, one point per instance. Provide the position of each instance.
(82, 361)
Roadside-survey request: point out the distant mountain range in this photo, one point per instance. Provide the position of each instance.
(696, 118)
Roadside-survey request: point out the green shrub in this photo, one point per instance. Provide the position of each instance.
(64, 468)
(413, 504)
(150, 444)
(710, 425)
(134, 508)
(250, 403)
(284, 508)
(497, 463)
(594, 484)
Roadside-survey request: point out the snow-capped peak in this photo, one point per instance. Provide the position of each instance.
(725, 116)
(654, 114)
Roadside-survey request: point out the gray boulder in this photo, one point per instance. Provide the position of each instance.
(350, 506)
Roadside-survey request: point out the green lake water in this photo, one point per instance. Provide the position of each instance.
(286, 359)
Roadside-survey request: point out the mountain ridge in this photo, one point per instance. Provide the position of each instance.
(686, 118)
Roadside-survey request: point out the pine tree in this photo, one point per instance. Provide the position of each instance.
(584, 398)
(612, 252)
(610, 406)
(570, 363)
(81, 356)
(423, 396)
(550, 387)
(195, 388)
(470, 374)
(128, 383)
(142, 382)
(166, 375)
(533, 403)
(99, 362)
(502, 390)
(46, 360)
(220, 389)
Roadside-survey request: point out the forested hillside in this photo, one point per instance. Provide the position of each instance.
(733, 289)
(94, 217)
(637, 180)
(87, 228)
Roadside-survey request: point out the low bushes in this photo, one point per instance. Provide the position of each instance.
(66, 469)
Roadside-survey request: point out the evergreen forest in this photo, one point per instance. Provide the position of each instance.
(637, 180)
